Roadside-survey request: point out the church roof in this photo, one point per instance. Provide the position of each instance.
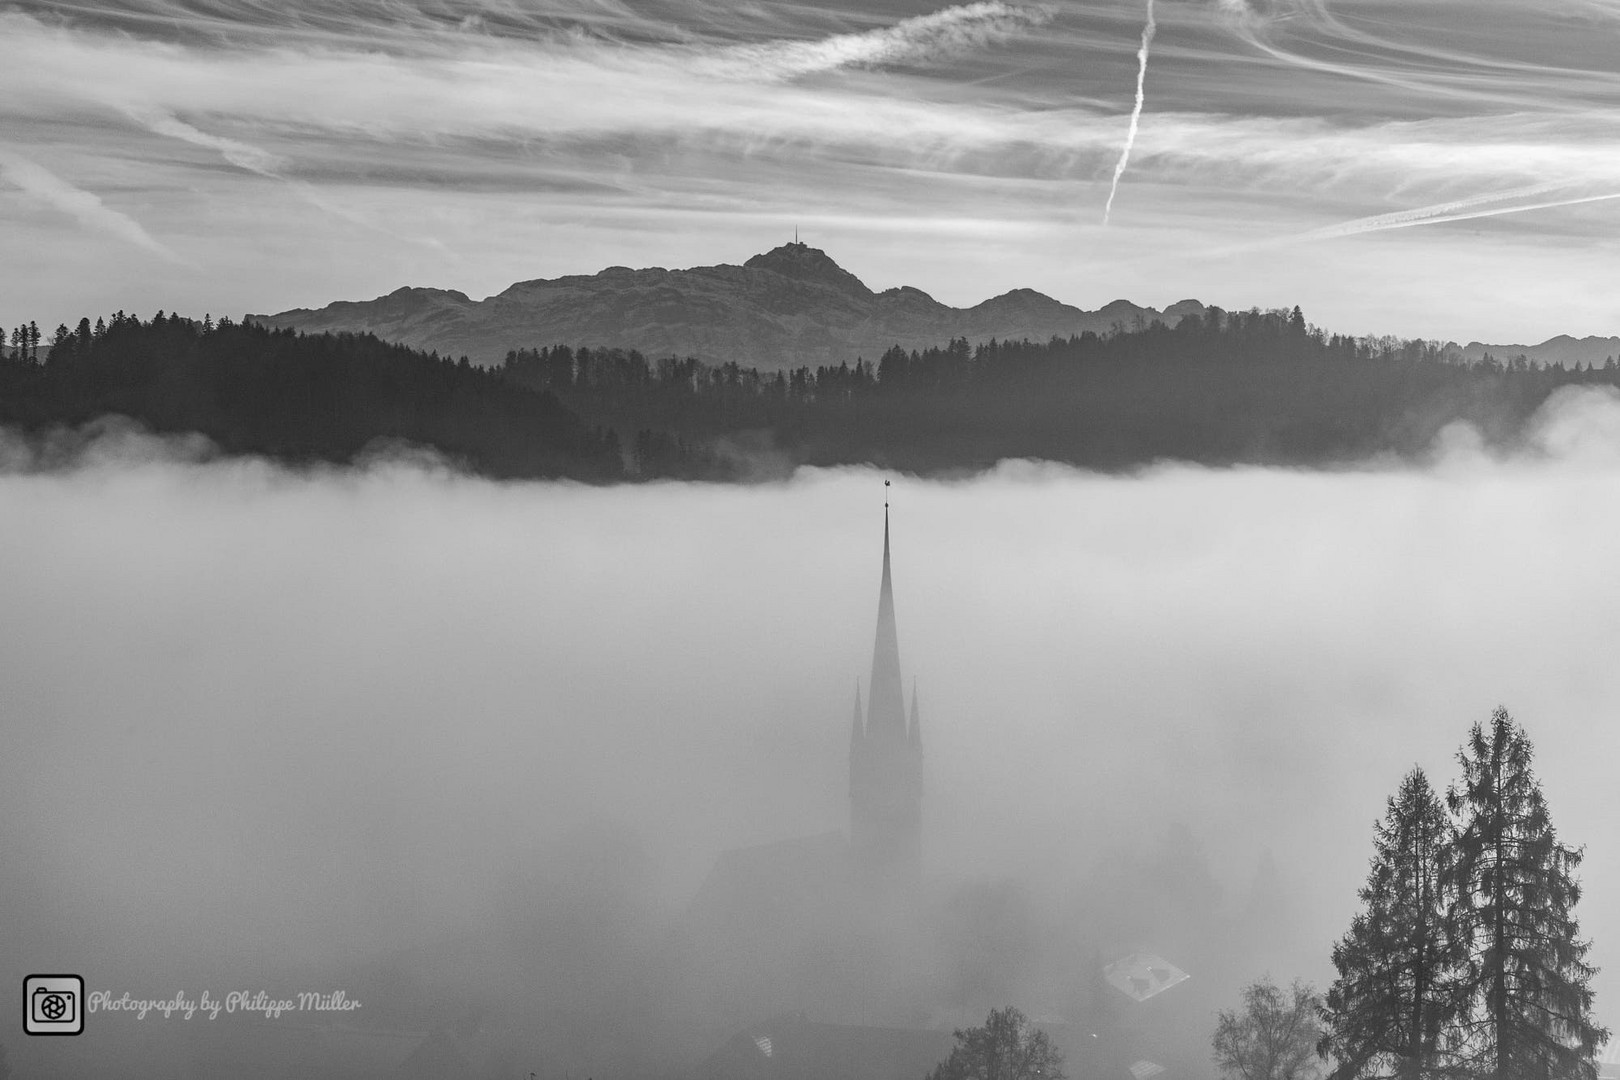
(1143, 975)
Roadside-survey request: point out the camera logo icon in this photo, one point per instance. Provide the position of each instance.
(53, 1005)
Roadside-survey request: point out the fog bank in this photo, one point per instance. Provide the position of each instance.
(258, 721)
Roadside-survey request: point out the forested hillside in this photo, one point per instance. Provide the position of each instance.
(1218, 388)
(297, 398)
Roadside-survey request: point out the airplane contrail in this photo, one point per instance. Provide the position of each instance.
(1477, 206)
(1136, 110)
(1459, 210)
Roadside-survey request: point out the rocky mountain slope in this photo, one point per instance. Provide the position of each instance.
(785, 308)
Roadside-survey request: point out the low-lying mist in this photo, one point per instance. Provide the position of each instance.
(271, 728)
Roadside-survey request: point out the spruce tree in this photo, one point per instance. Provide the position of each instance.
(1513, 894)
(1388, 1013)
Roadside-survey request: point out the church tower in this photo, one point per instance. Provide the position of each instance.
(885, 755)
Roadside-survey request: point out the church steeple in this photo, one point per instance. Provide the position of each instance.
(857, 730)
(885, 705)
(885, 754)
(914, 726)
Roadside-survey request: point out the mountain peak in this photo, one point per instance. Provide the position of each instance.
(805, 263)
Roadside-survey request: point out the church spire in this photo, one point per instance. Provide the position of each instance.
(857, 729)
(885, 761)
(885, 704)
(914, 727)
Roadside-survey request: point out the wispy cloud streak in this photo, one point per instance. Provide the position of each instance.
(85, 207)
(922, 39)
(1323, 43)
(263, 163)
(242, 155)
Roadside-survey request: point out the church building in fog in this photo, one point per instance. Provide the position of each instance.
(824, 923)
(834, 956)
(885, 756)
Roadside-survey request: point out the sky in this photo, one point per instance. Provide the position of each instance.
(1428, 168)
(262, 720)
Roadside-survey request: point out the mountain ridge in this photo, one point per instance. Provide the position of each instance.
(1558, 349)
(788, 307)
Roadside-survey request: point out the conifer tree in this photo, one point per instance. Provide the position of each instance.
(1513, 896)
(1395, 1001)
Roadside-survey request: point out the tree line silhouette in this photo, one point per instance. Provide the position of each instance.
(1221, 388)
(1217, 388)
(298, 398)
